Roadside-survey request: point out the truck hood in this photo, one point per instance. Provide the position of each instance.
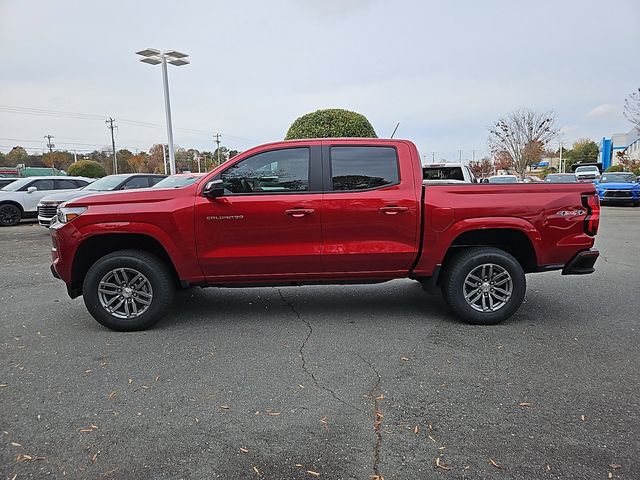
(66, 196)
(617, 186)
(141, 195)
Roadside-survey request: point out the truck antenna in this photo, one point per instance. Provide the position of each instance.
(394, 130)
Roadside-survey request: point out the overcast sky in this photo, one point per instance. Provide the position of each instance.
(444, 72)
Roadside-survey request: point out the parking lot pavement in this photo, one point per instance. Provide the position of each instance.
(336, 381)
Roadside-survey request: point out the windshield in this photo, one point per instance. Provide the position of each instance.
(587, 169)
(443, 173)
(618, 178)
(17, 185)
(105, 183)
(177, 181)
(504, 179)
(561, 179)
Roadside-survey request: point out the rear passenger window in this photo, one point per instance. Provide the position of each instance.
(154, 180)
(136, 182)
(65, 184)
(41, 185)
(363, 168)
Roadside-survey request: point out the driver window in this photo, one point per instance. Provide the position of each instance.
(278, 171)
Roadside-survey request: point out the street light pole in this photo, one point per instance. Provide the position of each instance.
(167, 109)
(155, 57)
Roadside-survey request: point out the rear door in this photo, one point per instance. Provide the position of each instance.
(267, 225)
(371, 208)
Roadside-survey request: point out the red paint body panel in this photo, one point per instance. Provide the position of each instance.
(342, 235)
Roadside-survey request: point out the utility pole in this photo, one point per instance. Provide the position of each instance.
(50, 145)
(217, 135)
(75, 156)
(560, 165)
(459, 156)
(473, 155)
(433, 157)
(196, 157)
(110, 126)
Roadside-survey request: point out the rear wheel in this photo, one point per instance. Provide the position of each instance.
(9, 215)
(484, 285)
(128, 290)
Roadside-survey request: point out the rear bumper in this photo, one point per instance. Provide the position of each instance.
(582, 263)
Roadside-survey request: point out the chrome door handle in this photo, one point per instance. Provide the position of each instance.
(392, 209)
(299, 212)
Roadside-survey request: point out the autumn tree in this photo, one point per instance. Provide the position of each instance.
(502, 160)
(632, 108)
(58, 160)
(482, 168)
(138, 162)
(155, 161)
(16, 156)
(520, 134)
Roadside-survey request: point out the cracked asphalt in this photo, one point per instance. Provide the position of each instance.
(336, 382)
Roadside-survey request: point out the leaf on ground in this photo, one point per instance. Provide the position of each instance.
(524, 404)
(548, 468)
(225, 407)
(157, 378)
(112, 395)
(3, 385)
(432, 439)
(615, 466)
(244, 450)
(441, 448)
(404, 359)
(145, 386)
(313, 474)
(380, 397)
(300, 385)
(130, 381)
(15, 444)
(29, 458)
(582, 417)
(95, 456)
(494, 463)
(610, 475)
(274, 414)
(441, 465)
(255, 469)
(299, 465)
(90, 428)
(416, 429)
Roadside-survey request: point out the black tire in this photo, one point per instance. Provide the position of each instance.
(456, 279)
(157, 283)
(10, 215)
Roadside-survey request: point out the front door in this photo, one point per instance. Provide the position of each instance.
(268, 223)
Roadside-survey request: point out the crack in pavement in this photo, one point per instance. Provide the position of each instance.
(304, 360)
(378, 417)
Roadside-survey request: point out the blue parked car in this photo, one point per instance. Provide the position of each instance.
(619, 187)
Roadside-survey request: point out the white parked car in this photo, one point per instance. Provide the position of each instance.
(587, 173)
(20, 199)
(448, 172)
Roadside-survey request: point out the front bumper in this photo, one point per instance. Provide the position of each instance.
(582, 263)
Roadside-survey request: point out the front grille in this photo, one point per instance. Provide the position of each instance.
(47, 211)
(618, 193)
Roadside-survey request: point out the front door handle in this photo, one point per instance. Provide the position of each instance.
(392, 209)
(299, 212)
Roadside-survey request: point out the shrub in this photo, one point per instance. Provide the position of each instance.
(333, 122)
(86, 168)
(615, 168)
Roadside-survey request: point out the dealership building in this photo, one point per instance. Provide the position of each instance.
(628, 143)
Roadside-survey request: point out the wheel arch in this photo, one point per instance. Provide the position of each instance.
(97, 246)
(14, 203)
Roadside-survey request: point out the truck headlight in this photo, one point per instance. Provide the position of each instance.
(66, 214)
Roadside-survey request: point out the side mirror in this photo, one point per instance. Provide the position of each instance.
(213, 189)
(32, 189)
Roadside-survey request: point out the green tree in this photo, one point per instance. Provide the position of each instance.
(583, 151)
(86, 168)
(332, 122)
(123, 156)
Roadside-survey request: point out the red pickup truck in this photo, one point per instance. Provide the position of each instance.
(321, 211)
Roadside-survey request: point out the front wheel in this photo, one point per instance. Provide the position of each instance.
(484, 285)
(128, 290)
(10, 215)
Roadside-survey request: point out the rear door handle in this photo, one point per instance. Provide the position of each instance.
(392, 209)
(299, 212)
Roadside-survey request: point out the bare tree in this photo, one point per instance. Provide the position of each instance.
(632, 108)
(520, 134)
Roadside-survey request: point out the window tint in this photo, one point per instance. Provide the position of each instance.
(443, 173)
(62, 184)
(41, 185)
(136, 182)
(154, 180)
(361, 168)
(276, 171)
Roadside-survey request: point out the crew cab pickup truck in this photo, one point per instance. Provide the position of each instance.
(321, 211)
